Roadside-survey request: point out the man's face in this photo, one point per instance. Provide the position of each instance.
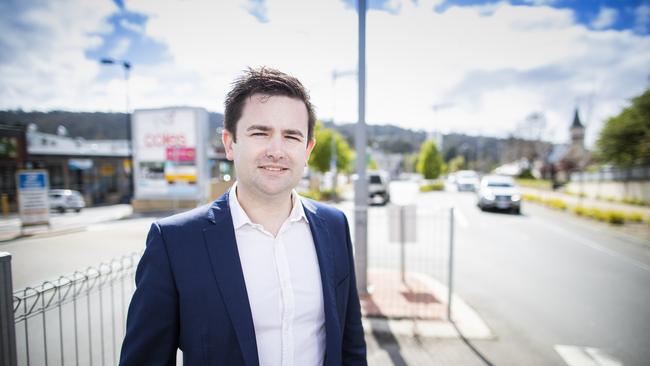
(272, 146)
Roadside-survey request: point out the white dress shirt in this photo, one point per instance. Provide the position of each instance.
(284, 287)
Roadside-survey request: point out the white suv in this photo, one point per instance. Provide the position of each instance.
(66, 199)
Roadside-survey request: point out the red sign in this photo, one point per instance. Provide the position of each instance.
(181, 153)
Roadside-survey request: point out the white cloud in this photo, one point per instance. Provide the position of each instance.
(120, 48)
(495, 64)
(135, 27)
(605, 18)
(43, 64)
(642, 18)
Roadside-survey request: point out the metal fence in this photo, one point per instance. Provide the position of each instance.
(74, 320)
(613, 174)
(410, 256)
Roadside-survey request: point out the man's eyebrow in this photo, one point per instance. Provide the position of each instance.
(258, 127)
(293, 132)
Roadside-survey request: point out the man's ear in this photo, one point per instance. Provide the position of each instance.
(228, 139)
(310, 146)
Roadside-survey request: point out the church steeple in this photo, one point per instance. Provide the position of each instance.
(577, 130)
(576, 121)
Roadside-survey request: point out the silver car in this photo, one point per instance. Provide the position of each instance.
(500, 193)
(378, 187)
(467, 180)
(66, 199)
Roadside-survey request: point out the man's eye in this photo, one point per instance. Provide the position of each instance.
(293, 137)
(258, 134)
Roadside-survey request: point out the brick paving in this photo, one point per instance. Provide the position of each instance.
(392, 298)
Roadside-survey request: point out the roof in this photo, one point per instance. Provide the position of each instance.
(576, 121)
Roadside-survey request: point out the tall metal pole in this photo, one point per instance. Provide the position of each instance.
(127, 68)
(7, 325)
(361, 185)
(126, 65)
(450, 278)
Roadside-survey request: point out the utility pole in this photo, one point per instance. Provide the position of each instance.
(126, 66)
(361, 185)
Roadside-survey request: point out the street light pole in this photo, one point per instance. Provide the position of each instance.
(361, 185)
(126, 66)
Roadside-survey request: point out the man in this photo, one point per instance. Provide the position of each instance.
(261, 276)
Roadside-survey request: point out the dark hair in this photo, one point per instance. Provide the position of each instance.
(267, 81)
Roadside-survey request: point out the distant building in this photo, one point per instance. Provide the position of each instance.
(565, 159)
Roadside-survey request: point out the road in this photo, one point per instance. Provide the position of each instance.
(544, 281)
(551, 287)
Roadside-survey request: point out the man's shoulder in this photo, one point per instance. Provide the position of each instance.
(199, 216)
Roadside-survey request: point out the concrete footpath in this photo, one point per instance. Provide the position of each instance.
(11, 227)
(406, 322)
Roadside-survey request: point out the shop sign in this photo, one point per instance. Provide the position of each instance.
(33, 200)
(80, 164)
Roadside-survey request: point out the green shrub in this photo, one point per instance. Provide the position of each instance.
(312, 194)
(596, 213)
(634, 217)
(535, 183)
(435, 186)
(556, 203)
(526, 174)
(531, 197)
(615, 217)
(321, 195)
(579, 210)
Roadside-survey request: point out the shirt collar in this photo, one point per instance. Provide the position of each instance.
(240, 218)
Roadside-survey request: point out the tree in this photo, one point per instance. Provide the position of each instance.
(430, 163)
(456, 163)
(321, 156)
(625, 139)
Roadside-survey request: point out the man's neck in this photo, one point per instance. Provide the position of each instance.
(271, 213)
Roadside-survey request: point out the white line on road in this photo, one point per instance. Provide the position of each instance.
(585, 356)
(593, 245)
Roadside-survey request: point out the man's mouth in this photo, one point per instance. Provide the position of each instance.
(273, 168)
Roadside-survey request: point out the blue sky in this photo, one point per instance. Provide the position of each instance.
(490, 63)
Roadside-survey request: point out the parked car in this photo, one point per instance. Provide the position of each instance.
(499, 192)
(467, 180)
(378, 187)
(66, 199)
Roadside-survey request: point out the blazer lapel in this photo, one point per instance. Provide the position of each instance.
(322, 243)
(222, 249)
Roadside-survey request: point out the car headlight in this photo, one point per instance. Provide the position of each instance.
(489, 196)
(515, 197)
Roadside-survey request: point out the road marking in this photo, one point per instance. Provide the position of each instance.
(600, 248)
(460, 218)
(585, 356)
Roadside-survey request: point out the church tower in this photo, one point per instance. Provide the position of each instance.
(577, 131)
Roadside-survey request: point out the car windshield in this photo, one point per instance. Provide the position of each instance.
(375, 179)
(500, 184)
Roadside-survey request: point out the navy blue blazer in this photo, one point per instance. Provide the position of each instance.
(190, 292)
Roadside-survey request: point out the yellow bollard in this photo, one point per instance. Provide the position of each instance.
(5, 205)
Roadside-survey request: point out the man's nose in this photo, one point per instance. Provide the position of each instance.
(275, 148)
